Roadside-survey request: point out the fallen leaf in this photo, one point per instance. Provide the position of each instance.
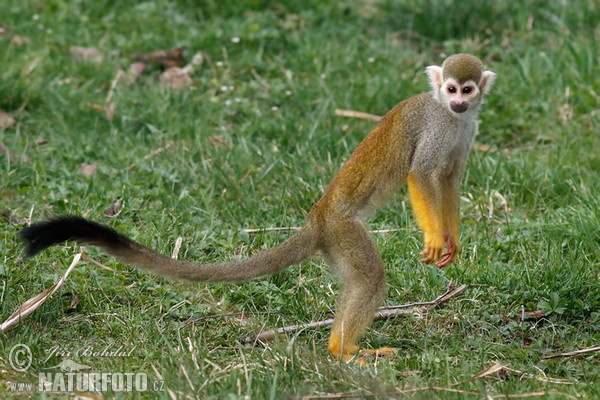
(482, 147)
(179, 78)
(115, 208)
(163, 58)
(176, 78)
(535, 315)
(88, 54)
(6, 121)
(133, 73)
(88, 169)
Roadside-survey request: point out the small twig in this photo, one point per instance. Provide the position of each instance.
(358, 114)
(572, 353)
(271, 333)
(382, 313)
(385, 312)
(297, 228)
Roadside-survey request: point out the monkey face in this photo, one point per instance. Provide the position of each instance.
(460, 96)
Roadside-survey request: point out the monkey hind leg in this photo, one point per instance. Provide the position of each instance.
(357, 261)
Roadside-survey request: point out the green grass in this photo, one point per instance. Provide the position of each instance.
(293, 66)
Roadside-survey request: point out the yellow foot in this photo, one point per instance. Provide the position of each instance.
(380, 352)
(365, 356)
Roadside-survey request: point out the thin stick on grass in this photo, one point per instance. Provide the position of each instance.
(298, 228)
(587, 350)
(382, 313)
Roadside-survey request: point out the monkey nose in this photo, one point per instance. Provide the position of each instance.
(459, 107)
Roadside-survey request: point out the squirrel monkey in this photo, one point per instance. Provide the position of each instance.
(422, 141)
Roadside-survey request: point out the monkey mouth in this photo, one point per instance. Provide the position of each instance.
(459, 107)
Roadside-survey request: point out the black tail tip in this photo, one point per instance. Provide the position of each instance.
(42, 235)
(33, 239)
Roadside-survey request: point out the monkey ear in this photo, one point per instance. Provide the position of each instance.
(435, 79)
(435, 76)
(487, 79)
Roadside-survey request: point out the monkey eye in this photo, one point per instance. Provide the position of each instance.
(467, 90)
(452, 89)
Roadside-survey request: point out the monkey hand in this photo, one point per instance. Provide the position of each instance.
(434, 244)
(433, 251)
(451, 252)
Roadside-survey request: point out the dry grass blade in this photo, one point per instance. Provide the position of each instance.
(178, 243)
(587, 350)
(27, 308)
(36, 301)
(163, 58)
(96, 263)
(489, 371)
(358, 114)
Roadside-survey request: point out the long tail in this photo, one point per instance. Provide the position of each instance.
(45, 234)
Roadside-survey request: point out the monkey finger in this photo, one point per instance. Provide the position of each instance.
(447, 258)
(430, 256)
(427, 260)
(443, 263)
(425, 257)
